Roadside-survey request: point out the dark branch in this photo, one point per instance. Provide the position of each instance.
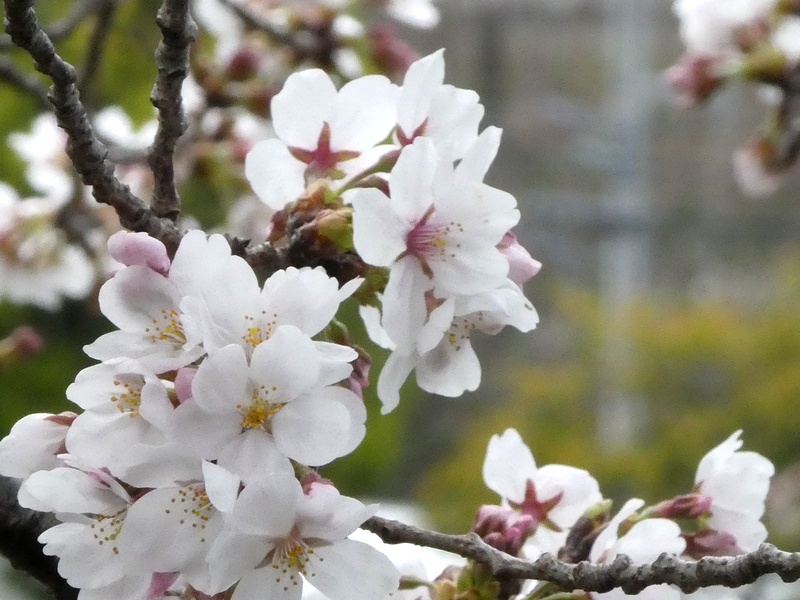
(178, 31)
(622, 573)
(87, 153)
(26, 82)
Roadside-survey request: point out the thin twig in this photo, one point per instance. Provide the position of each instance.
(94, 54)
(307, 46)
(88, 154)
(63, 28)
(178, 31)
(621, 573)
(25, 82)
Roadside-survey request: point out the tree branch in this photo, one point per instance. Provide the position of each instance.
(178, 31)
(622, 573)
(87, 153)
(24, 81)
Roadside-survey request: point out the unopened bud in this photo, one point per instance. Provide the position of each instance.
(688, 506)
(711, 543)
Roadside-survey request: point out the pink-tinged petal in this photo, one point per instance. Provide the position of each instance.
(253, 455)
(139, 248)
(521, 265)
(450, 369)
(313, 430)
(286, 365)
(325, 514)
(156, 356)
(340, 574)
(404, 308)
(183, 383)
(394, 373)
(302, 106)
(479, 156)
(749, 533)
(379, 235)
(411, 182)
(282, 493)
(422, 79)
(221, 380)
(136, 587)
(222, 486)
(137, 299)
(508, 465)
(275, 175)
(68, 490)
(364, 113)
(577, 488)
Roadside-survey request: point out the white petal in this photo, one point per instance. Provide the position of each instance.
(68, 490)
(508, 465)
(479, 156)
(275, 175)
(287, 365)
(281, 492)
(411, 181)
(341, 575)
(422, 79)
(450, 369)
(394, 373)
(222, 486)
(221, 381)
(364, 113)
(379, 235)
(301, 107)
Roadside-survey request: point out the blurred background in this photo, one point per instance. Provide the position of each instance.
(668, 300)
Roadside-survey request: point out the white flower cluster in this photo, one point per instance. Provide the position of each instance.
(541, 507)
(212, 392)
(453, 265)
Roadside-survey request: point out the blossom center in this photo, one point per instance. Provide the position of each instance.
(106, 529)
(323, 160)
(259, 330)
(429, 240)
(461, 329)
(128, 398)
(192, 507)
(259, 413)
(167, 328)
(292, 557)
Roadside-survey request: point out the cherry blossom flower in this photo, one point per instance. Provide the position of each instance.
(438, 232)
(302, 537)
(643, 542)
(34, 443)
(711, 25)
(145, 305)
(37, 265)
(737, 483)
(253, 416)
(322, 134)
(92, 507)
(415, 13)
(444, 359)
(123, 403)
(554, 496)
(428, 107)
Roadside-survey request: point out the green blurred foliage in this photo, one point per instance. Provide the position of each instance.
(701, 371)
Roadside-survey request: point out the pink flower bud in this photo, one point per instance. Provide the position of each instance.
(26, 341)
(756, 167)
(139, 249)
(183, 383)
(711, 543)
(688, 506)
(695, 77)
(521, 266)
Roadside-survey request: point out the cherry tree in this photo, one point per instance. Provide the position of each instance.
(193, 465)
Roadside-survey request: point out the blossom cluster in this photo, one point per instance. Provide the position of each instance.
(406, 166)
(558, 509)
(211, 398)
(753, 40)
